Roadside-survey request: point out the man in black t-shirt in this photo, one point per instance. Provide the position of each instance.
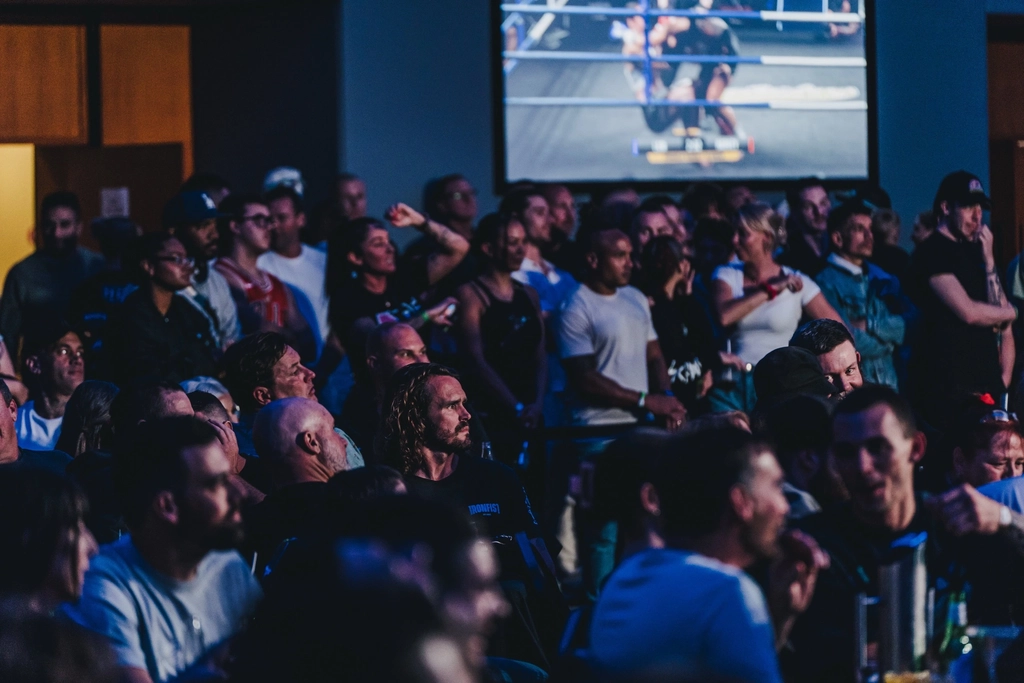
(966, 316)
(425, 435)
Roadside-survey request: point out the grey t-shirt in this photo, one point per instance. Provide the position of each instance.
(156, 623)
(615, 330)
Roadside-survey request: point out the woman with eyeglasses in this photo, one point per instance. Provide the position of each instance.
(265, 304)
(684, 331)
(987, 448)
(47, 546)
(157, 334)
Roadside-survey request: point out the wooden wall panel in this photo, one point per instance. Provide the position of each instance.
(1005, 91)
(146, 85)
(42, 84)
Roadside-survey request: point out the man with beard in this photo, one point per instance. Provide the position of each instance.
(170, 596)
(39, 287)
(688, 610)
(55, 366)
(966, 318)
(192, 218)
(832, 344)
(425, 436)
(296, 442)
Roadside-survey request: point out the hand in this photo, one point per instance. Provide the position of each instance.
(531, 416)
(986, 238)
(706, 382)
(794, 283)
(229, 442)
(965, 511)
(667, 407)
(402, 216)
(438, 314)
(793, 575)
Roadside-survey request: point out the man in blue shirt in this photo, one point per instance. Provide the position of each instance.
(868, 298)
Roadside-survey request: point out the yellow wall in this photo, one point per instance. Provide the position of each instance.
(17, 203)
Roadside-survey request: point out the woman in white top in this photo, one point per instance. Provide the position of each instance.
(760, 300)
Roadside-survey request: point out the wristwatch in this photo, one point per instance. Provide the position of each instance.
(1005, 517)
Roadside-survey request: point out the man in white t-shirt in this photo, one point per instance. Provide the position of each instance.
(54, 367)
(299, 266)
(688, 611)
(608, 345)
(170, 597)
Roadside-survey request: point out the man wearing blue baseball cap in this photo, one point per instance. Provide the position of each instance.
(966, 318)
(192, 218)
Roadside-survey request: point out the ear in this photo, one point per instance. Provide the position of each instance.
(355, 260)
(919, 447)
(300, 219)
(371, 362)
(32, 365)
(959, 463)
(944, 208)
(309, 442)
(12, 408)
(836, 239)
(649, 500)
(487, 249)
(742, 505)
(591, 259)
(166, 507)
(858, 359)
(235, 227)
(262, 395)
(148, 267)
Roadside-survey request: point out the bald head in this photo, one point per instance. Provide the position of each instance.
(392, 346)
(297, 437)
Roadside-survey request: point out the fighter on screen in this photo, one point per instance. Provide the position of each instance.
(683, 36)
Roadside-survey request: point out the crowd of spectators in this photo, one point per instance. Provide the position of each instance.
(664, 438)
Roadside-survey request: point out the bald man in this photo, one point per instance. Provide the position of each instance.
(296, 439)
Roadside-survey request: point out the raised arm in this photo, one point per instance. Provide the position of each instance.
(952, 294)
(454, 246)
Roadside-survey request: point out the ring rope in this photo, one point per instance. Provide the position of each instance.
(767, 60)
(854, 105)
(798, 17)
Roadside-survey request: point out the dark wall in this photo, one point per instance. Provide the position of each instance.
(265, 86)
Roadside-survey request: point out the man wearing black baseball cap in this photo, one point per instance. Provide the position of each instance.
(965, 313)
(192, 217)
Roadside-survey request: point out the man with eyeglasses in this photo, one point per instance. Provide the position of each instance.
(156, 333)
(54, 367)
(265, 304)
(39, 287)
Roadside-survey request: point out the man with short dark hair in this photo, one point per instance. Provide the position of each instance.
(299, 266)
(192, 218)
(807, 226)
(649, 221)
(156, 333)
(876, 447)
(688, 610)
(39, 287)
(261, 368)
(833, 346)
(55, 366)
(171, 595)
(451, 200)
(608, 345)
(868, 298)
(966, 318)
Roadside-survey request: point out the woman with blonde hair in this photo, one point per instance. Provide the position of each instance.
(760, 302)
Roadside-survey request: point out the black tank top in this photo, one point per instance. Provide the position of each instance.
(510, 332)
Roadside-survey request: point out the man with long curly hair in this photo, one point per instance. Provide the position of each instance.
(424, 434)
